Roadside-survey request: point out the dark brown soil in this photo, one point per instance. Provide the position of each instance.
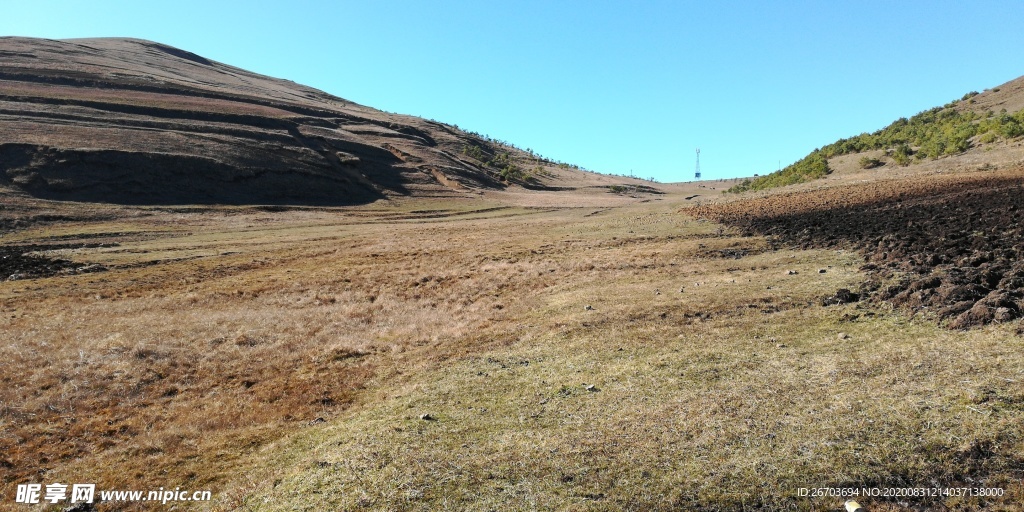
(951, 245)
(18, 262)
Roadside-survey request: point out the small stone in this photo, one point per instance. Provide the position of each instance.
(427, 417)
(592, 388)
(792, 273)
(844, 336)
(588, 307)
(822, 271)
(781, 345)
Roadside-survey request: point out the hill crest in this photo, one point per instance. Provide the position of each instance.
(138, 122)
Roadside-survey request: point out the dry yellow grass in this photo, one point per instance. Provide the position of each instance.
(209, 353)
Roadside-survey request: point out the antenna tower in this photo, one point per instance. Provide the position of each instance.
(697, 174)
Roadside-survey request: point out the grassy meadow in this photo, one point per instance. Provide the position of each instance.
(462, 355)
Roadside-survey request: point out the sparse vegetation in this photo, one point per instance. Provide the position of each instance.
(934, 133)
(502, 162)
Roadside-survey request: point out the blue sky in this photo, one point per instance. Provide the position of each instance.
(618, 87)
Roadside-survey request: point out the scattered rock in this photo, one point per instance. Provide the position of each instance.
(844, 336)
(781, 345)
(792, 273)
(427, 417)
(588, 307)
(592, 388)
(822, 271)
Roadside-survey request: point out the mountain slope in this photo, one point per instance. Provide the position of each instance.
(137, 122)
(976, 121)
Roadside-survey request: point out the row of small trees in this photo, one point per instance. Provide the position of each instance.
(811, 167)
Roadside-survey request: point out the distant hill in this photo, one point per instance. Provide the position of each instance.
(993, 116)
(137, 122)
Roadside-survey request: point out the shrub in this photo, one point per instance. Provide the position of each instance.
(870, 163)
(811, 167)
(475, 152)
(902, 155)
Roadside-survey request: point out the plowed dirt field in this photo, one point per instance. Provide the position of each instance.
(949, 245)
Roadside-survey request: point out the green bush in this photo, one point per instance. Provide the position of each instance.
(475, 152)
(811, 167)
(870, 163)
(901, 155)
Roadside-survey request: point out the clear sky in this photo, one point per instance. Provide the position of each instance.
(615, 87)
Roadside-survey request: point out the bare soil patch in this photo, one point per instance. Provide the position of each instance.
(950, 245)
(22, 262)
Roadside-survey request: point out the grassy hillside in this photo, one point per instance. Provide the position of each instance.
(947, 130)
(172, 127)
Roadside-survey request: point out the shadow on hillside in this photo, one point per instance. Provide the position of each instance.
(134, 178)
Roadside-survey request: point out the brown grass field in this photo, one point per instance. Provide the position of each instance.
(423, 318)
(620, 356)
